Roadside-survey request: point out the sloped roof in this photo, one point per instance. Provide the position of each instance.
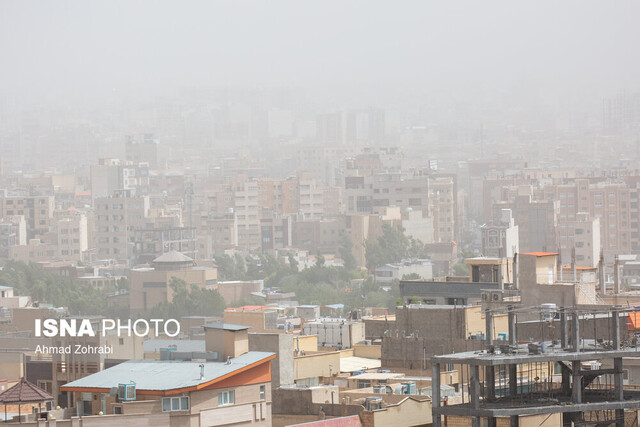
(167, 375)
(225, 326)
(173, 256)
(24, 392)
(353, 363)
(539, 254)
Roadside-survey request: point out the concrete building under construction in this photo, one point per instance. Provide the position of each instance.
(578, 378)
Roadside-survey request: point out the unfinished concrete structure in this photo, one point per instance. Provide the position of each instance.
(512, 379)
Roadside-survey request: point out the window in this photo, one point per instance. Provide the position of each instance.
(226, 398)
(262, 392)
(180, 403)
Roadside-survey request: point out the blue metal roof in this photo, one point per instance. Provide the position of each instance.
(165, 375)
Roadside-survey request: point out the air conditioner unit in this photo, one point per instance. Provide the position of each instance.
(126, 392)
(485, 296)
(496, 296)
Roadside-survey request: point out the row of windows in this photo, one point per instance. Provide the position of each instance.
(180, 403)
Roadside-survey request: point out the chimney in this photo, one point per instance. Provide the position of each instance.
(201, 371)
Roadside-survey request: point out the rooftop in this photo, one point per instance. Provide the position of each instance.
(226, 326)
(539, 254)
(353, 363)
(167, 375)
(521, 355)
(154, 345)
(172, 257)
(24, 392)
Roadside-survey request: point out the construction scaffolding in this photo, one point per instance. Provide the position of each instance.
(561, 373)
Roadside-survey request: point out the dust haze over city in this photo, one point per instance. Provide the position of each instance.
(349, 195)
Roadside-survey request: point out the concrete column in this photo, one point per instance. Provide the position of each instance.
(601, 273)
(514, 421)
(619, 417)
(575, 332)
(515, 271)
(476, 422)
(576, 389)
(490, 381)
(492, 422)
(474, 391)
(566, 381)
(564, 329)
(513, 341)
(489, 327)
(617, 379)
(513, 379)
(616, 276)
(435, 393)
(616, 329)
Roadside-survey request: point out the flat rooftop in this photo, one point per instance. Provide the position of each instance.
(521, 355)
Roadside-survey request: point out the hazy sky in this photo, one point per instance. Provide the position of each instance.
(59, 47)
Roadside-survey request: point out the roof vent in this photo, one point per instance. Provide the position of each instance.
(201, 371)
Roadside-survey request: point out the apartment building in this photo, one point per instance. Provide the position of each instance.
(276, 232)
(442, 208)
(111, 175)
(72, 237)
(395, 189)
(248, 212)
(536, 220)
(610, 200)
(116, 218)
(500, 236)
(311, 198)
(149, 243)
(356, 195)
(583, 236)
(219, 232)
(37, 211)
(232, 386)
(13, 231)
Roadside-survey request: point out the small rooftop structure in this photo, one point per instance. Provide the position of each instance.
(225, 326)
(172, 260)
(24, 392)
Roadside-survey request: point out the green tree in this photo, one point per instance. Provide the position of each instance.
(188, 301)
(392, 246)
(346, 247)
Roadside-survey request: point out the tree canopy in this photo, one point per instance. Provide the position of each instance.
(391, 247)
(189, 301)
